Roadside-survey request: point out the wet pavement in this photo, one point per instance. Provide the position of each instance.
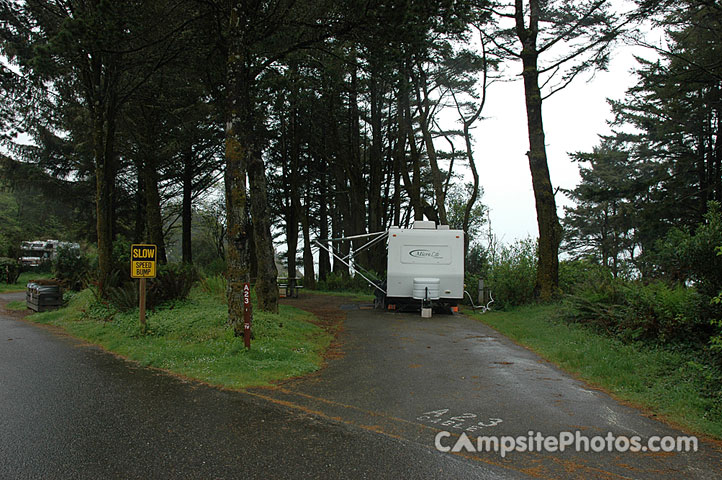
(410, 378)
(70, 410)
(392, 383)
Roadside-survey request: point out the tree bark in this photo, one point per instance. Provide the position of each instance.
(266, 288)
(103, 140)
(187, 214)
(475, 187)
(412, 183)
(356, 220)
(140, 220)
(425, 124)
(237, 147)
(324, 260)
(547, 281)
(309, 278)
(153, 211)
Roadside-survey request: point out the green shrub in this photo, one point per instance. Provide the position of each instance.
(477, 261)
(512, 274)
(634, 311)
(581, 275)
(121, 261)
(716, 338)
(172, 282)
(125, 297)
(9, 270)
(215, 267)
(215, 286)
(71, 267)
(687, 257)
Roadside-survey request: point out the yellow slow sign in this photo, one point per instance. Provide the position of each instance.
(142, 260)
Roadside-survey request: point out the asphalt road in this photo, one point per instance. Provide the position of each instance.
(69, 410)
(410, 378)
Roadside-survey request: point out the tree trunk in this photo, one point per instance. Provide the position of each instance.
(324, 260)
(399, 159)
(103, 138)
(140, 220)
(412, 184)
(547, 280)
(340, 204)
(187, 214)
(375, 255)
(154, 216)
(291, 240)
(475, 188)
(425, 124)
(266, 288)
(237, 147)
(716, 169)
(356, 220)
(309, 278)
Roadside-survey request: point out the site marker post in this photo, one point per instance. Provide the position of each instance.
(247, 314)
(142, 265)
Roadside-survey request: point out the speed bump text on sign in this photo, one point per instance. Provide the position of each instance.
(142, 260)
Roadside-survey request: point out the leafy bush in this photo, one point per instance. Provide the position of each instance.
(215, 286)
(121, 260)
(577, 276)
(687, 257)
(716, 339)
(215, 267)
(172, 282)
(635, 311)
(71, 267)
(512, 274)
(9, 270)
(477, 261)
(125, 297)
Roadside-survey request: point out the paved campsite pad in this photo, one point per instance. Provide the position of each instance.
(409, 378)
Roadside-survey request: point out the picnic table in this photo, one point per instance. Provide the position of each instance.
(288, 287)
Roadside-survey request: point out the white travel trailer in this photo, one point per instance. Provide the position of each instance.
(425, 264)
(35, 253)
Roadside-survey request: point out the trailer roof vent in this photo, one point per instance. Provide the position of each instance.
(424, 225)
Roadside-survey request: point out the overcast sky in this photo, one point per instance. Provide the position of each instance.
(573, 120)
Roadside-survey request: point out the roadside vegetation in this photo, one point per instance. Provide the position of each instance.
(678, 384)
(654, 340)
(20, 284)
(191, 337)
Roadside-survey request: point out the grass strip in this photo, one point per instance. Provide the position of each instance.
(352, 296)
(191, 338)
(22, 282)
(17, 305)
(667, 382)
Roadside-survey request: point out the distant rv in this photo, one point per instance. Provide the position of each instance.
(37, 252)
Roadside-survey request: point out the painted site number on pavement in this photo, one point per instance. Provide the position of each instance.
(143, 260)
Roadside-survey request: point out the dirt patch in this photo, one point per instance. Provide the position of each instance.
(6, 298)
(328, 313)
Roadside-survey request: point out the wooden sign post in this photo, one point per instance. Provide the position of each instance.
(142, 265)
(247, 314)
